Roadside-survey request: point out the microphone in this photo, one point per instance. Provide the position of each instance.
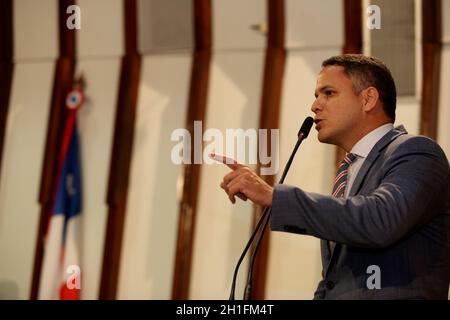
(265, 217)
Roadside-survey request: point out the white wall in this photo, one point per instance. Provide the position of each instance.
(151, 223)
(177, 19)
(20, 176)
(222, 229)
(102, 28)
(314, 24)
(408, 114)
(35, 29)
(445, 21)
(233, 23)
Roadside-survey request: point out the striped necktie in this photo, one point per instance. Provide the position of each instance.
(340, 182)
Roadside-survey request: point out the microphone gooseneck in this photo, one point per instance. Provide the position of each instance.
(265, 217)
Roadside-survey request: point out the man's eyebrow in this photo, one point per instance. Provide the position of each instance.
(322, 89)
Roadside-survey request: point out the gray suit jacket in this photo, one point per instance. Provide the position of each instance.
(396, 218)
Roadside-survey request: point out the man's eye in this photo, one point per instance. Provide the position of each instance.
(329, 93)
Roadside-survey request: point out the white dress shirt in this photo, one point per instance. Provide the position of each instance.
(361, 149)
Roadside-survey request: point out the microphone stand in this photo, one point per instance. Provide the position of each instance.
(265, 217)
(250, 241)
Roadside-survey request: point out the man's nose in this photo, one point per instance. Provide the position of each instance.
(315, 106)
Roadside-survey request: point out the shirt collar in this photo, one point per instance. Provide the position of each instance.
(366, 143)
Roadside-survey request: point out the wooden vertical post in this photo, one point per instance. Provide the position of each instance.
(269, 119)
(6, 65)
(431, 66)
(65, 68)
(121, 154)
(197, 112)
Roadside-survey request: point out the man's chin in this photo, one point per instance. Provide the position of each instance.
(322, 137)
(326, 139)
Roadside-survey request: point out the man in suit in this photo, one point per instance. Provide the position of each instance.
(385, 230)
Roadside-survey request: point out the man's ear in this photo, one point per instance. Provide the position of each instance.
(370, 97)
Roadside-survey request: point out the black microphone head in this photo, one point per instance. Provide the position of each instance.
(306, 127)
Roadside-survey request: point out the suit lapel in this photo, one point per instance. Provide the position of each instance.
(373, 156)
(368, 162)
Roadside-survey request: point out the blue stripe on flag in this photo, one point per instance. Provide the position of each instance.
(68, 196)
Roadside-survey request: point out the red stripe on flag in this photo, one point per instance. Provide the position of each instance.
(68, 131)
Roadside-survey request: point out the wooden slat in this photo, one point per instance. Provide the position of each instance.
(196, 112)
(352, 26)
(431, 66)
(353, 44)
(121, 155)
(131, 46)
(6, 65)
(6, 74)
(6, 30)
(67, 47)
(64, 72)
(269, 119)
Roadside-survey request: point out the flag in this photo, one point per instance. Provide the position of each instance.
(61, 272)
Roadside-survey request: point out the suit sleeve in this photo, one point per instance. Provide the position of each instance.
(413, 189)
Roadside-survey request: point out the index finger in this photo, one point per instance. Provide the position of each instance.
(231, 163)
